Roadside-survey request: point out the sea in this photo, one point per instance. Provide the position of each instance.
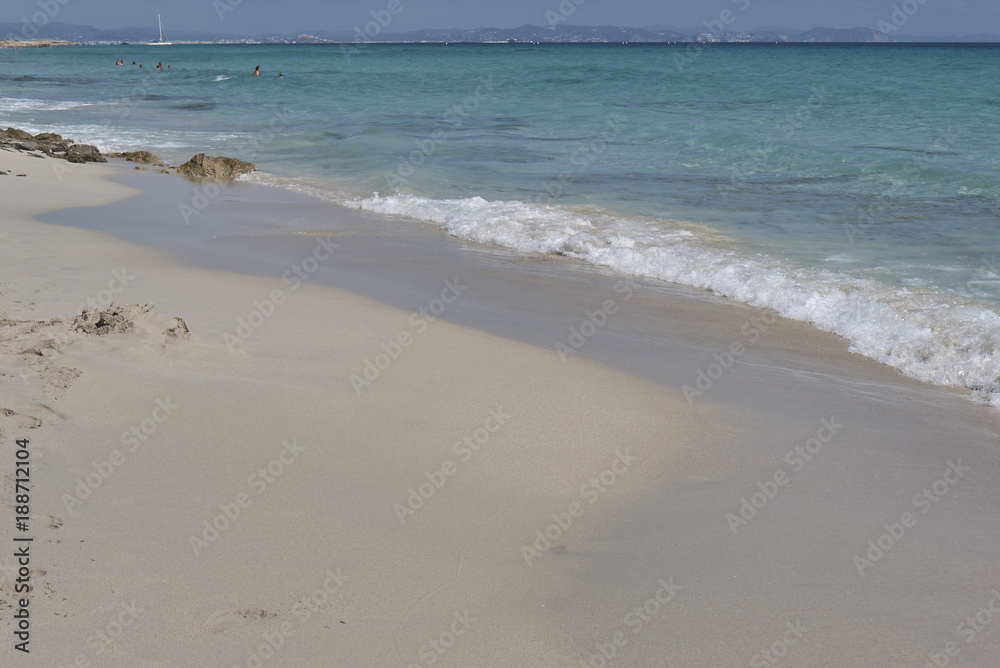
(855, 187)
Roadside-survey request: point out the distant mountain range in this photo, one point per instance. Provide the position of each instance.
(527, 33)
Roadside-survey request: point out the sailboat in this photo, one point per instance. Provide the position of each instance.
(160, 41)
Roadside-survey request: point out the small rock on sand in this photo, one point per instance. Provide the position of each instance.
(203, 165)
(137, 318)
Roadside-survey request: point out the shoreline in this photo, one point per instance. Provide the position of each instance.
(927, 334)
(188, 198)
(495, 547)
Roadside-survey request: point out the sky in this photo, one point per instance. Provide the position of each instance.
(914, 17)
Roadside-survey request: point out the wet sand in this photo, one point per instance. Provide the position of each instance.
(459, 455)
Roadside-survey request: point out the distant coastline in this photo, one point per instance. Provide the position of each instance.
(34, 44)
(556, 33)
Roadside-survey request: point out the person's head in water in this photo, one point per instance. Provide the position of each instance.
(256, 72)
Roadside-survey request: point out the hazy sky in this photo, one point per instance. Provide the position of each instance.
(930, 17)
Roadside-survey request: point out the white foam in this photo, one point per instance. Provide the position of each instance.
(934, 337)
(14, 104)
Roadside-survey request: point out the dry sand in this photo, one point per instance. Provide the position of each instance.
(202, 501)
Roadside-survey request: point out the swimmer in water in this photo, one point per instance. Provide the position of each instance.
(256, 72)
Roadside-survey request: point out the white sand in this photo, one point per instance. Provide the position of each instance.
(194, 425)
(332, 506)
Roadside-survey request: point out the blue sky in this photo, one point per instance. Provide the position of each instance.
(930, 17)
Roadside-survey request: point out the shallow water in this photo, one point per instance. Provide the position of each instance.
(854, 187)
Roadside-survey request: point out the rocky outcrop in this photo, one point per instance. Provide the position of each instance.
(84, 153)
(203, 165)
(50, 137)
(50, 144)
(14, 133)
(145, 157)
(57, 146)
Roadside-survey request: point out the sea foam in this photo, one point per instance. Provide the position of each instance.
(935, 337)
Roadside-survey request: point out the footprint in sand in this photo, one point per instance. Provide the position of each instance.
(53, 414)
(25, 421)
(229, 619)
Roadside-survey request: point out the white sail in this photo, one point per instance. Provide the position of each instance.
(160, 41)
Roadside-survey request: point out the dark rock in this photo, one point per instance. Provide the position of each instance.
(144, 157)
(202, 165)
(84, 153)
(52, 137)
(14, 133)
(45, 142)
(27, 145)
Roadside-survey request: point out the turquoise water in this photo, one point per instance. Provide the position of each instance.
(853, 186)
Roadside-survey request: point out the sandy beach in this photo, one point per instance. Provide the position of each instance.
(378, 445)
